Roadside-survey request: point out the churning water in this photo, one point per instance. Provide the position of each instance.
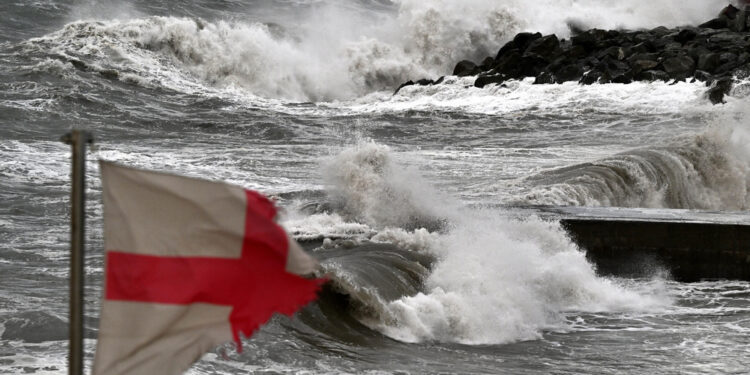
(405, 198)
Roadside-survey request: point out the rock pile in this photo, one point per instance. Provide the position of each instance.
(714, 52)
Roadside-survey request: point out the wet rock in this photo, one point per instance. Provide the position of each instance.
(727, 57)
(679, 67)
(590, 77)
(729, 12)
(613, 52)
(509, 64)
(708, 53)
(482, 81)
(522, 40)
(720, 88)
(572, 72)
(407, 83)
(739, 24)
(510, 46)
(466, 68)
(702, 76)
(641, 65)
(487, 63)
(653, 75)
(532, 64)
(709, 62)
(685, 36)
(590, 39)
(547, 47)
(544, 78)
(716, 23)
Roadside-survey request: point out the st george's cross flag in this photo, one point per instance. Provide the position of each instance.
(190, 264)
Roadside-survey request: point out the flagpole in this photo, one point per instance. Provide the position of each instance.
(78, 140)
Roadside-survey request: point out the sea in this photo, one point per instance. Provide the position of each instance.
(426, 208)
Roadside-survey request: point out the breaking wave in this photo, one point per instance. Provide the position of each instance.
(478, 278)
(707, 171)
(334, 52)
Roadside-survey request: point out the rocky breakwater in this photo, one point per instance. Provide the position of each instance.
(716, 52)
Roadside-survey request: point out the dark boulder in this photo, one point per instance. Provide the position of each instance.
(716, 23)
(729, 12)
(679, 67)
(407, 83)
(739, 24)
(685, 36)
(591, 77)
(482, 81)
(652, 75)
(727, 57)
(702, 76)
(510, 46)
(487, 63)
(622, 77)
(641, 65)
(590, 40)
(719, 88)
(727, 38)
(509, 64)
(544, 78)
(612, 68)
(466, 68)
(572, 72)
(615, 52)
(643, 47)
(696, 51)
(522, 40)
(546, 46)
(709, 62)
(532, 64)
(575, 52)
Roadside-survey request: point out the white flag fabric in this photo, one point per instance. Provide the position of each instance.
(190, 264)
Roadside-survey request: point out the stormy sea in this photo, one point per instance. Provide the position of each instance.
(423, 206)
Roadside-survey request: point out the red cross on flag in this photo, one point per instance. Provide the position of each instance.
(190, 264)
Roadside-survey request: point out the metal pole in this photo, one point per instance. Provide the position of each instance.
(78, 140)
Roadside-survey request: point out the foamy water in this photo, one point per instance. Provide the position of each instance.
(404, 197)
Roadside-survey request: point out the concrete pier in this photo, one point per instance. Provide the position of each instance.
(687, 245)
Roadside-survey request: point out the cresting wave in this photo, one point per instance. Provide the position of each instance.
(706, 171)
(334, 52)
(479, 278)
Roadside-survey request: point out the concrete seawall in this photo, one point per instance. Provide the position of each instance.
(688, 251)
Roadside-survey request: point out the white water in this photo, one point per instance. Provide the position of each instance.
(334, 51)
(496, 280)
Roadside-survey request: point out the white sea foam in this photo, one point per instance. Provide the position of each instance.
(337, 52)
(710, 170)
(496, 279)
(376, 191)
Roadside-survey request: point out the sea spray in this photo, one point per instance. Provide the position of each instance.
(708, 170)
(373, 189)
(333, 52)
(495, 279)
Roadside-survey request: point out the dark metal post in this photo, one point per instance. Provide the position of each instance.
(78, 140)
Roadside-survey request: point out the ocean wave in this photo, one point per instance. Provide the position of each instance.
(478, 278)
(335, 52)
(706, 171)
